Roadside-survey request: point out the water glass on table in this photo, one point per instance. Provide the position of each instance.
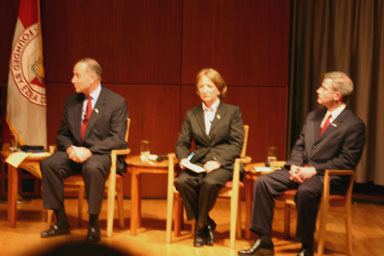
(271, 155)
(144, 150)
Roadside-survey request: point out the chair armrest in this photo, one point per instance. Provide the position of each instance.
(327, 182)
(245, 160)
(339, 172)
(114, 154)
(171, 166)
(236, 170)
(120, 152)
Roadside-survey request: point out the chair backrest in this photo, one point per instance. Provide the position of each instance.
(127, 130)
(244, 149)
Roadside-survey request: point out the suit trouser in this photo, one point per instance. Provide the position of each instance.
(58, 166)
(307, 201)
(200, 190)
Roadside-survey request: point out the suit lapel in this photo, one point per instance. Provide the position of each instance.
(314, 126)
(199, 115)
(97, 110)
(77, 111)
(218, 115)
(335, 124)
(332, 127)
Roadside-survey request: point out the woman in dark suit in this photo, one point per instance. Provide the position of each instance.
(217, 131)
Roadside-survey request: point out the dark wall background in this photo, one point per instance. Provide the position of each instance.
(151, 50)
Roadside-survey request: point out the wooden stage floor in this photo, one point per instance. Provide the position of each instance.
(368, 231)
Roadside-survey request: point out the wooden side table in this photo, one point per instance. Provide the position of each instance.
(136, 167)
(30, 164)
(250, 175)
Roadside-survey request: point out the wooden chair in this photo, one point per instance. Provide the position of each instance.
(230, 190)
(114, 188)
(330, 204)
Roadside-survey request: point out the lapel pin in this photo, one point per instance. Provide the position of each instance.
(334, 125)
(218, 116)
(97, 111)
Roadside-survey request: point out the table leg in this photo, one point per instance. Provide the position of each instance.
(13, 176)
(248, 205)
(138, 224)
(134, 202)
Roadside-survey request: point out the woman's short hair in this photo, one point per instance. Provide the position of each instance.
(216, 78)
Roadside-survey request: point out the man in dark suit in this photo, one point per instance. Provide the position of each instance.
(94, 123)
(217, 131)
(332, 138)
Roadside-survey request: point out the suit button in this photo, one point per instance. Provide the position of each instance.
(209, 137)
(314, 146)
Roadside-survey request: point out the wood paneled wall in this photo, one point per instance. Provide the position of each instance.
(151, 50)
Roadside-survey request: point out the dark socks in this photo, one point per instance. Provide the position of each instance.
(200, 225)
(265, 239)
(307, 246)
(94, 220)
(61, 218)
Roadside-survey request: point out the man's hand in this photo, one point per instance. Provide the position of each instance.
(78, 154)
(300, 174)
(294, 174)
(211, 166)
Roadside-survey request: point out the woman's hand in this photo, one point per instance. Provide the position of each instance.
(211, 166)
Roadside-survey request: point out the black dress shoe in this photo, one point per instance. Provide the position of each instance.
(210, 232)
(262, 246)
(93, 235)
(304, 251)
(55, 230)
(199, 239)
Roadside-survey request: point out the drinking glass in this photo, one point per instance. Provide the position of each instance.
(13, 142)
(144, 150)
(272, 154)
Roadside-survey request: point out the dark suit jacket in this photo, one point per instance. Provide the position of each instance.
(106, 127)
(339, 147)
(225, 139)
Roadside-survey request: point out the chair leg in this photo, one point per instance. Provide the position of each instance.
(178, 214)
(80, 205)
(233, 220)
(170, 202)
(120, 202)
(322, 227)
(238, 226)
(50, 217)
(111, 205)
(287, 219)
(348, 228)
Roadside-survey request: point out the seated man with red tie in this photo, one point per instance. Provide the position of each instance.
(93, 123)
(332, 138)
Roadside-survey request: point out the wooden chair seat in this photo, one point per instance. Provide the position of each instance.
(230, 190)
(113, 188)
(327, 206)
(229, 184)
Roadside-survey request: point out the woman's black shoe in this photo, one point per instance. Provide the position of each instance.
(199, 239)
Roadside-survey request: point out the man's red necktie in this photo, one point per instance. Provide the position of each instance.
(325, 126)
(88, 114)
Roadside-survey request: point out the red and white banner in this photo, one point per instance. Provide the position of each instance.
(26, 101)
